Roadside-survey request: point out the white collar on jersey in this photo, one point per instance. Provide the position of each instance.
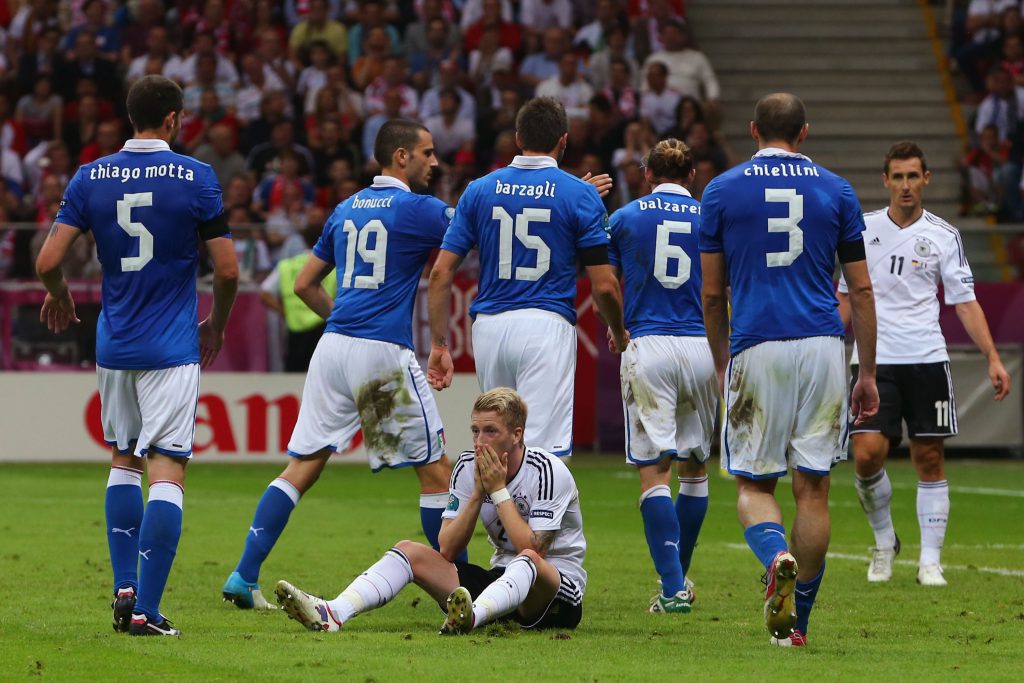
(672, 188)
(145, 145)
(389, 181)
(779, 152)
(522, 161)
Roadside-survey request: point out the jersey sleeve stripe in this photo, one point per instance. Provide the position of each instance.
(545, 474)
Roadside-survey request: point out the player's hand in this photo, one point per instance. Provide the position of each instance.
(440, 367)
(602, 183)
(864, 400)
(617, 345)
(58, 312)
(1000, 378)
(491, 467)
(210, 342)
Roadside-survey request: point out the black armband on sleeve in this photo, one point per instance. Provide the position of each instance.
(851, 251)
(596, 255)
(215, 227)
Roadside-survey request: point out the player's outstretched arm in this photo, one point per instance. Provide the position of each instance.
(973, 319)
(607, 294)
(309, 287)
(864, 397)
(439, 293)
(58, 310)
(716, 316)
(225, 287)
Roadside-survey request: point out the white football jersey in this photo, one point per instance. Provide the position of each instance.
(546, 497)
(906, 266)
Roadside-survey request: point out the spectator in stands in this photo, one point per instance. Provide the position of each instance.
(626, 160)
(705, 172)
(593, 36)
(332, 147)
(605, 130)
(264, 158)
(314, 76)
(1003, 106)
(620, 91)
(658, 102)
(32, 19)
(86, 63)
(599, 65)
(158, 46)
(206, 81)
(297, 10)
(197, 126)
(280, 70)
(250, 245)
(370, 64)
(689, 71)
(278, 294)
(326, 111)
(264, 18)
(318, 26)
(214, 21)
(567, 86)
(688, 112)
(205, 43)
(425, 64)
(255, 87)
(450, 132)
(489, 56)
(493, 16)
(47, 159)
(980, 166)
(540, 66)
(505, 150)
(285, 223)
(449, 76)
(109, 139)
(704, 143)
(40, 113)
(81, 132)
(647, 17)
(219, 149)
(108, 41)
(393, 76)
(339, 185)
(539, 15)
(982, 28)
(238, 192)
(1013, 58)
(41, 61)
(258, 130)
(417, 41)
(371, 15)
(12, 135)
(135, 33)
(392, 110)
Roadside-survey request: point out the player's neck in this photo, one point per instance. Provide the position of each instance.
(905, 217)
(778, 144)
(397, 175)
(152, 135)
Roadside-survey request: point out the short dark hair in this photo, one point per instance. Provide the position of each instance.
(541, 123)
(779, 116)
(151, 99)
(670, 159)
(394, 135)
(905, 149)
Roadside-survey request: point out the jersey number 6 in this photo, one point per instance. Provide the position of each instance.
(125, 205)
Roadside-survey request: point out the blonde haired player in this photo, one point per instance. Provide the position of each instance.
(528, 503)
(909, 251)
(667, 373)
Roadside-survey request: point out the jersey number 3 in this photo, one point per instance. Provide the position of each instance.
(130, 264)
(790, 225)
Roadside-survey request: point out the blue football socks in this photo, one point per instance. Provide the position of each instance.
(124, 518)
(767, 540)
(805, 595)
(158, 544)
(662, 529)
(272, 513)
(691, 508)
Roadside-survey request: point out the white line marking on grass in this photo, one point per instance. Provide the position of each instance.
(976, 490)
(910, 563)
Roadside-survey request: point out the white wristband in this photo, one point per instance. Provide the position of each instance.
(500, 496)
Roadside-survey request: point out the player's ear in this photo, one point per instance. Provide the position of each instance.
(803, 133)
(753, 132)
(693, 174)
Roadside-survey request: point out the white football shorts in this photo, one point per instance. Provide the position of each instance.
(786, 407)
(534, 352)
(669, 396)
(376, 385)
(153, 409)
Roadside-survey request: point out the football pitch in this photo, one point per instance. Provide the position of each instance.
(55, 615)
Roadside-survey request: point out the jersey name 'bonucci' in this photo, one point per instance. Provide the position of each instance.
(906, 266)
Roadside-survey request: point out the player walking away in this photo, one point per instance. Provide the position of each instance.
(147, 208)
(909, 251)
(529, 505)
(529, 221)
(771, 228)
(669, 386)
(364, 372)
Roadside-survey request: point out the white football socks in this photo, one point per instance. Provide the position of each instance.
(505, 594)
(875, 495)
(374, 587)
(933, 516)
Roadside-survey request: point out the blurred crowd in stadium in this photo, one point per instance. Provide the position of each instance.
(283, 98)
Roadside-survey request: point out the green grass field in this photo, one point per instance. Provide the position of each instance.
(55, 616)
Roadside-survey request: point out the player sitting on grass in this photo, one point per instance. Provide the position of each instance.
(527, 501)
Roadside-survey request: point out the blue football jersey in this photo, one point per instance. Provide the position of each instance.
(143, 206)
(654, 244)
(527, 221)
(778, 219)
(379, 239)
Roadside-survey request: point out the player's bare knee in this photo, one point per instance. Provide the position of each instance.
(691, 468)
(532, 555)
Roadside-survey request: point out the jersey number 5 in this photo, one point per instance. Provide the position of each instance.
(521, 226)
(790, 224)
(125, 205)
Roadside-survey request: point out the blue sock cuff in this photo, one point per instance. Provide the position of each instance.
(766, 539)
(816, 581)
